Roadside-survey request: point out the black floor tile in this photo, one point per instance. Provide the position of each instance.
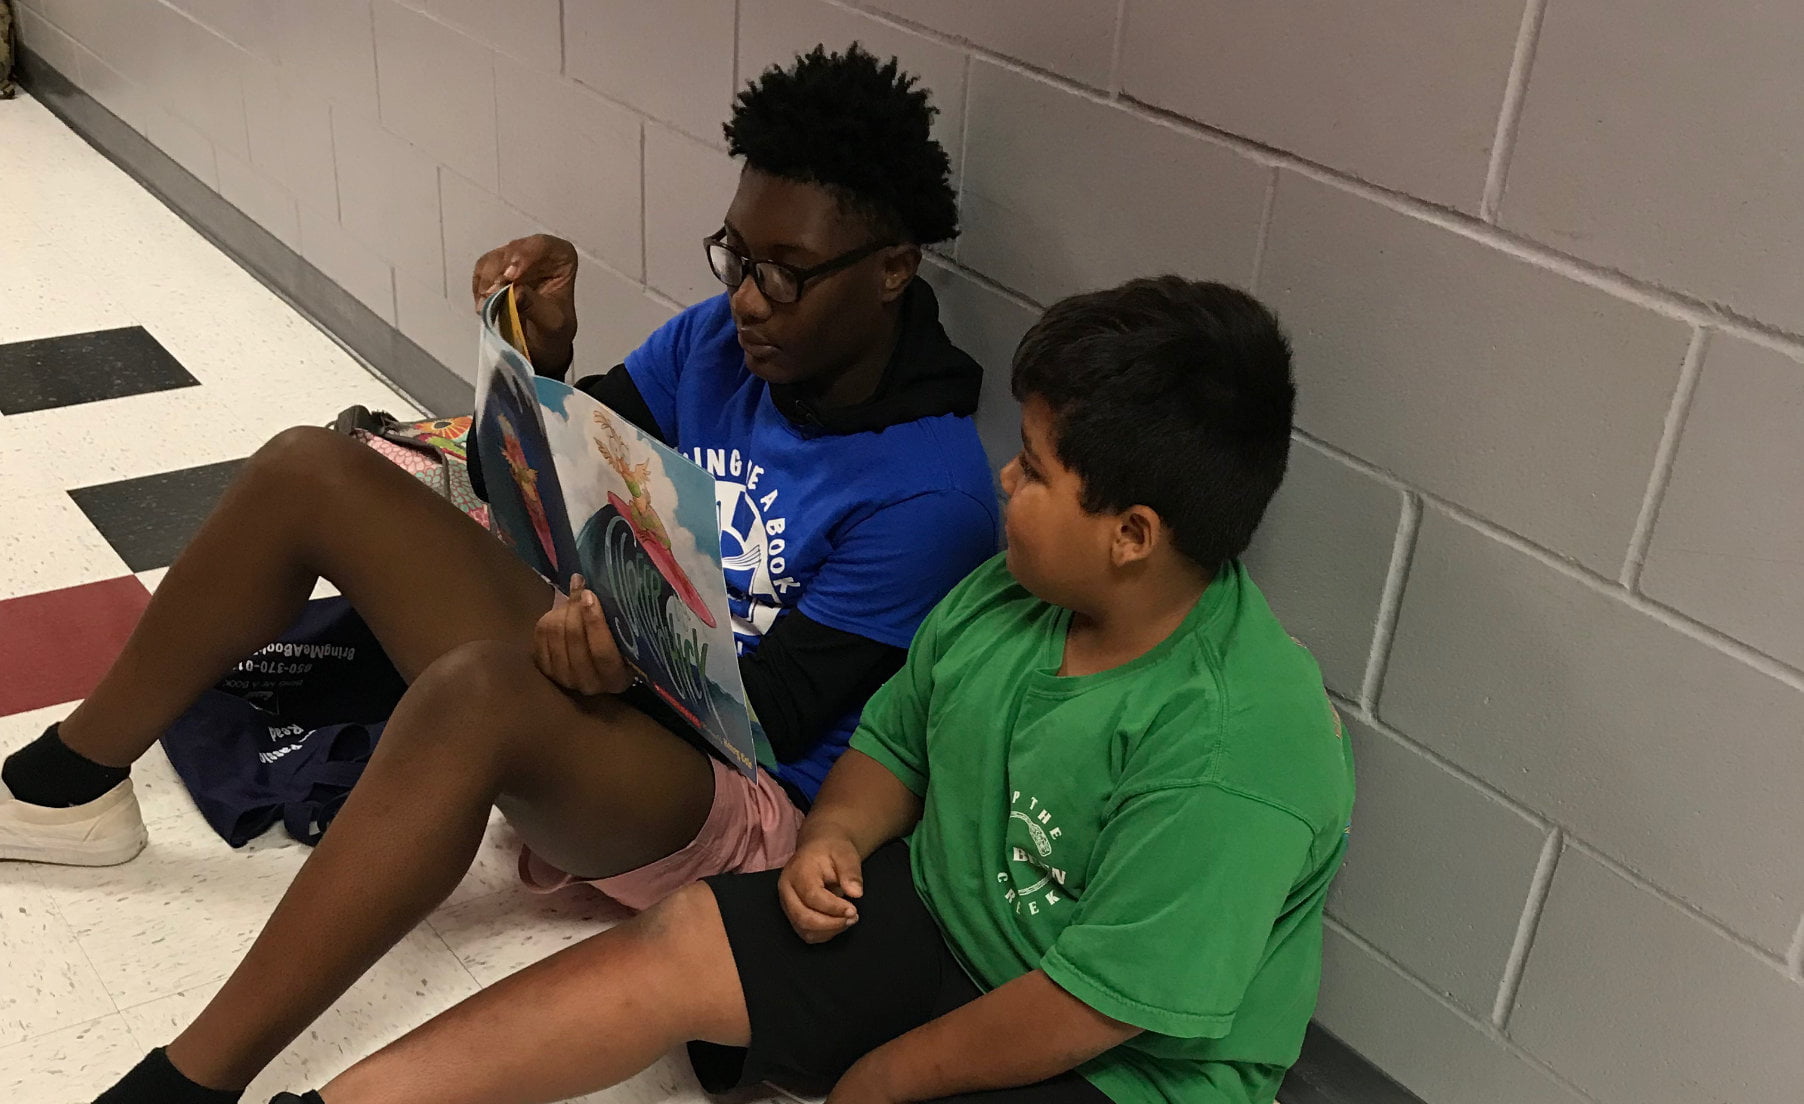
(150, 519)
(107, 364)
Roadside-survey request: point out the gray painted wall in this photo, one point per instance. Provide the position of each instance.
(1543, 262)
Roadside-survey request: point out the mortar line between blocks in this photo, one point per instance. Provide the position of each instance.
(1665, 458)
(1618, 868)
(1516, 966)
(1571, 838)
(376, 70)
(987, 282)
(717, 144)
(922, 30)
(1121, 15)
(738, 19)
(1265, 231)
(1483, 1027)
(1672, 619)
(964, 137)
(1364, 716)
(644, 210)
(1509, 119)
(1783, 672)
(596, 260)
(495, 103)
(1661, 300)
(1390, 601)
(338, 202)
(1375, 951)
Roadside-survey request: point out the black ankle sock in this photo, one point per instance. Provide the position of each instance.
(48, 772)
(155, 1080)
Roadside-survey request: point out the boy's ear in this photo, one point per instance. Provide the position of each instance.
(1138, 530)
(900, 263)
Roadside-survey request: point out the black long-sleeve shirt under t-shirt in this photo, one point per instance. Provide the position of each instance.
(804, 676)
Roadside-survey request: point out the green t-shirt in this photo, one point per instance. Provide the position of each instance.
(1158, 838)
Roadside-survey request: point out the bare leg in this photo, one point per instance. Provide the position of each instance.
(595, 781)
(585, 1018)
(309, 504)
(599, 785)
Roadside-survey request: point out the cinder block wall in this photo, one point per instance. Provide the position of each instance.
(1543, 261)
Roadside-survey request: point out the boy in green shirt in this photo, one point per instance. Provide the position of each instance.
(1079, 849)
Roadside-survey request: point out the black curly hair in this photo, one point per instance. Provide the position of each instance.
(859, 128)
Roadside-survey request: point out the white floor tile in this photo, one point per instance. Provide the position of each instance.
(161, 795)
(140, 435)
(68, 1066)
(178, 916)
(19, 729)
(46, 297)
(47, 543)
(414, 982)
(501, 933)
(47, 983)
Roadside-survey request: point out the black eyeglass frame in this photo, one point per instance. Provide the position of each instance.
(801, 276)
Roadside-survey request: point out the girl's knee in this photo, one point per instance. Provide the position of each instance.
(475, 698)
(301, 448)
(481, 676)
(304, 461)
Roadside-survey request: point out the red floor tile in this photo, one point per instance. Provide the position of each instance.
(55, 646)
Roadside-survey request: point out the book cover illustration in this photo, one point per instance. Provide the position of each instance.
(575, 488)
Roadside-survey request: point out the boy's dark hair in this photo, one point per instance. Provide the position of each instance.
(1171, 394)
(859, 128)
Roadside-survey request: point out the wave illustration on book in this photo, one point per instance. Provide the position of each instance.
(578, 489)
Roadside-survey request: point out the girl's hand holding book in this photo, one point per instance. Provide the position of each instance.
(574, 647)
(543, 271)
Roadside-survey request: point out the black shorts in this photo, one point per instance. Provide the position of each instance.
(817, 1009)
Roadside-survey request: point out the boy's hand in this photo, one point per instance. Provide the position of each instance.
(543, 271)
(819, 884)
(575, 649)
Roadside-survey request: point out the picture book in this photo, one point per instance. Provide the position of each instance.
(574, 488)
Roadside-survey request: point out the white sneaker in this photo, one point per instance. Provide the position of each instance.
(104, 832)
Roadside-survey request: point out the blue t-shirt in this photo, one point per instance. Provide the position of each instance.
(862, 532)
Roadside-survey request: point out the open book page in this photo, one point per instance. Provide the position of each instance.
(525, 501)
(577, 488)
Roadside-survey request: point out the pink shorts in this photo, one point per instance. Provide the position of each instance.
(751, 826)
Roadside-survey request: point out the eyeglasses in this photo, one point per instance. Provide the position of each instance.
(776, 281)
